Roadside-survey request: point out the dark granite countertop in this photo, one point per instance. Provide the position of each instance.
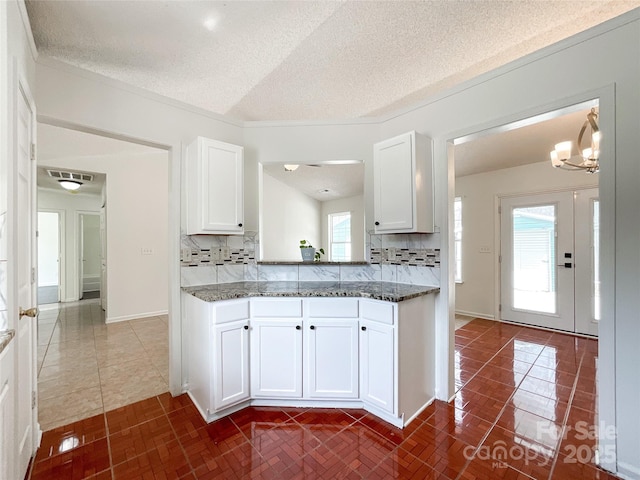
(5, 338)
(321, 262)
(387, 291)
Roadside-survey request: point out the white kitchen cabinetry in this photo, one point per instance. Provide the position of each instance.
(217, 353)
(377, 361)
(331, 349)
(403, 184)
(215, 188)
(231, 364)
(276, 358)
(335, 352)
(276, 348)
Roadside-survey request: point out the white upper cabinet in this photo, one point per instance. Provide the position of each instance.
(215, 188)
(403, 184)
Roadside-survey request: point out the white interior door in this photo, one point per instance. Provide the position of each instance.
(25, 431)
(549, 267)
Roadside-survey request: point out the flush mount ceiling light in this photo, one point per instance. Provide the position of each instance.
(70, 184)
(587, 159)
(210, 23)
(290, 168)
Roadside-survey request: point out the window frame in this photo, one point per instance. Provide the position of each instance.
(330, 217)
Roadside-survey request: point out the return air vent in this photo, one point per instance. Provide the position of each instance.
(83, 177)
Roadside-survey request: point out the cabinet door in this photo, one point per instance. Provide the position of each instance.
(215, 187)
(276, 358)
(332, 358)
(393, 183)
(377, 365)
(231, 364)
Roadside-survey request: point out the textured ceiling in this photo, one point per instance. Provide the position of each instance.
(295, 60)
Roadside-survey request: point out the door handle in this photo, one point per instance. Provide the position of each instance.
(565, 265)
(30, 312)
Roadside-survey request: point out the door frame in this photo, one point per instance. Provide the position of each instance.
(175, 152)
(498, 244)
(62, 274)
(444, 146)
(79, 241)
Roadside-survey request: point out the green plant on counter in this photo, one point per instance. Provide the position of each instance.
(316, 257)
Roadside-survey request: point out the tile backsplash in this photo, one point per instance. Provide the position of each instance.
(407, 258)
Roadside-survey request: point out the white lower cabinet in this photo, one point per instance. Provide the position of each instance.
(231, 364)
(217, 353)
(335, 352)
(276, 358)
(377, 362)
(331, 358)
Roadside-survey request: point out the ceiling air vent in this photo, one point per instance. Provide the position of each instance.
(85, 177)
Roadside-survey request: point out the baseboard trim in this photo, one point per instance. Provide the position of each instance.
(628, 471)
(136, 316)
(475, 315)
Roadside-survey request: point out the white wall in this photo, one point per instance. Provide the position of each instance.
(288, 216)
(479, 192)
(355, 205)
(48, 248)
(71, 205)
(137, 218)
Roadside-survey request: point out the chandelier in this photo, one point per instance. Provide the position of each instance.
(587, 159)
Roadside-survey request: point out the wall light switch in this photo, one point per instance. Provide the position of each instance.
(225, 252)
(186, 254)
(391, 253)
(147, 251)
(485, 249)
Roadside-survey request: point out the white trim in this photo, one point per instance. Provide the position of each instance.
(628, 471)
(137, 316)
(62, 273)
(485, 316)
(24, 16)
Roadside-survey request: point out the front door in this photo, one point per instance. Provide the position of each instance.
(24, 249)
(549, 274)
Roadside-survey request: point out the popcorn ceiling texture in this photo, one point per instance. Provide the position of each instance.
(294, 60)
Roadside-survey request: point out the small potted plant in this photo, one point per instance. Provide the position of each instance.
(310, 254)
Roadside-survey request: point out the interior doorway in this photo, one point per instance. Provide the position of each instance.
(90, 255)
(549, 260)
(49, 256)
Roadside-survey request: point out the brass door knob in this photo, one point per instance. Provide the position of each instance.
(30, 312)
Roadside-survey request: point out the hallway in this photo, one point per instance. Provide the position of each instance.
(86, 367)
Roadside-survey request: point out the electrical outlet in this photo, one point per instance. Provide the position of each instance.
(391, 253)
(186, 254)
(215, 254)
(485, 249)
(146, 251)
(225, 252)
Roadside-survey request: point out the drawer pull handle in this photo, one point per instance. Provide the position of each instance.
(377, 223)
(246, 327)
(240, 225)
(363, 328)
(312, 327)
(298, 327)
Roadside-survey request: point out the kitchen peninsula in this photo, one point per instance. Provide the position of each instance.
(316, 344)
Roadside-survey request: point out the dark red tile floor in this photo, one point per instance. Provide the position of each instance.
(525, 399)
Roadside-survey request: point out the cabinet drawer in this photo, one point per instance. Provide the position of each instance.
(333, 308)
(276, 307)
(377, 311)
(230, 312)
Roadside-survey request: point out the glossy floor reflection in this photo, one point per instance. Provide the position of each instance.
(86, 367)
(524, 403)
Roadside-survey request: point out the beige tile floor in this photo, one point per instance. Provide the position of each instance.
(462, 320)
(86, 367)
